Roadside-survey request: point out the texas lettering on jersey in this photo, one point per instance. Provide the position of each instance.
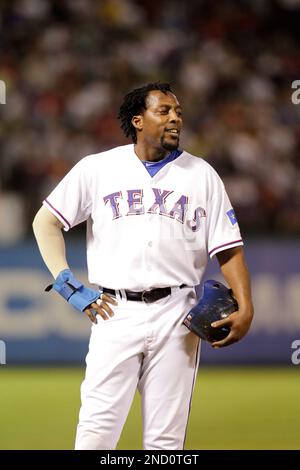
(136, 206)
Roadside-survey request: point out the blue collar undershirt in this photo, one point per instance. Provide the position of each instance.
(154, 167)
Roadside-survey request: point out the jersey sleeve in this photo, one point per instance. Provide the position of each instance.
(70, 201)
(223, 231)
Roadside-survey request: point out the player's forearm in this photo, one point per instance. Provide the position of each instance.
(235, 271)
(50, 241)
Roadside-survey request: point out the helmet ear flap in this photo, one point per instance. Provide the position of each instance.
(216, 303)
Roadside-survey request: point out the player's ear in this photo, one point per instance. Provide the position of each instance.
(137, 122)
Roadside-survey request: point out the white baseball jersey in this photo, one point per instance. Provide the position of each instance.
(142, 231)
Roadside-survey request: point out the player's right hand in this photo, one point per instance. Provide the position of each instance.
(101, 307)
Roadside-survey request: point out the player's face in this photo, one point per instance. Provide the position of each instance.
(162, 121)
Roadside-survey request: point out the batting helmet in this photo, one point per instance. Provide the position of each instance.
(216, 303)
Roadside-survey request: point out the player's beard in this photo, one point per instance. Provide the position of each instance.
(169, 145)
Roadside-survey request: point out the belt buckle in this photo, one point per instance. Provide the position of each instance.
(145, 296)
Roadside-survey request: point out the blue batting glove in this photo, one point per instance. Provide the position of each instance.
(73, 290)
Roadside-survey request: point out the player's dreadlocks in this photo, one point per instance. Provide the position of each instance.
(135, 103)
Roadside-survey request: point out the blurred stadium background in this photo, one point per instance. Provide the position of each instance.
(66, 65)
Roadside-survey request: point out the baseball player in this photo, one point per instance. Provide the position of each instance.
(154, 213)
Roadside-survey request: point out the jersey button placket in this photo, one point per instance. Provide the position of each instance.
(149, 244)
(149, 255)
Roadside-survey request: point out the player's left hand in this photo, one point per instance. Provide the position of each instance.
(101, 307)
(239, 323)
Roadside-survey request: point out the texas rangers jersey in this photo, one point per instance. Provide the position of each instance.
(142, 231)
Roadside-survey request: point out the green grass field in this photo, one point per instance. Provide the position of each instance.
(233, 408)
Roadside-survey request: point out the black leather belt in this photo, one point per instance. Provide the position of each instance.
(147, 296)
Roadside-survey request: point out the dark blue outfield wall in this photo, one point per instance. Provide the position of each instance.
(36, 327)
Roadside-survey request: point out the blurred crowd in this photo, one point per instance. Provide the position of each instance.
(66, 65)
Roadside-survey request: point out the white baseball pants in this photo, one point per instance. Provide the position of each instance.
(142, 346)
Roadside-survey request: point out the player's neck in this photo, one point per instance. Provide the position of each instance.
(149, 154)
